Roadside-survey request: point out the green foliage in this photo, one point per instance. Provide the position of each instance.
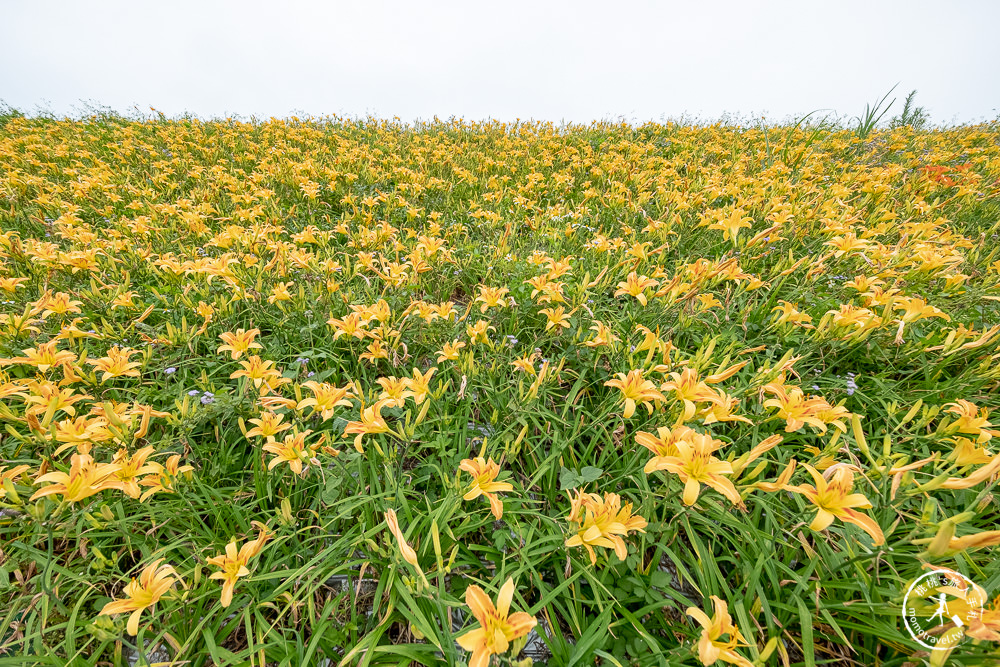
(912, 115)
(868, 121)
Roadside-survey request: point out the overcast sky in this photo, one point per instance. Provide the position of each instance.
(574, 61)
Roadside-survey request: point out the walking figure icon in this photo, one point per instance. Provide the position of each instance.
(942, 609)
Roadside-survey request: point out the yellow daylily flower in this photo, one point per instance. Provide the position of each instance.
(162, 481)
(268, 424)
(695, 465)
(449, 351)
(258, 371)
(635, 390)
(477, 332)
(603, 336)
(233, 563)
(636, 285)
(419, 385)
(789, 314)
(491, 297)
(154, 581)
(239, 342)
(834, 500)
(601, 521)
(711, 646)
(409, 555)
(43, 357)
(497, 626)
(915, 308)
(350, 326)
(732, 225)
(293, 451)
(85, 478)
(526, 364)
(117, 364)
(556, 317)
(371, 422)
(484, 474)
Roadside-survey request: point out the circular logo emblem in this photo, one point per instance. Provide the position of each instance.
(939, 606)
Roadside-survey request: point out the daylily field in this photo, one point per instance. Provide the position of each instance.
(331, 392)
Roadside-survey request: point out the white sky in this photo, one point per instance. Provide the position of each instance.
(574, 61)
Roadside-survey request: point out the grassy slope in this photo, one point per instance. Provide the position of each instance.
(139, 192)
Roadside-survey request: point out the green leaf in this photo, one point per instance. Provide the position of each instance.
(567, 479)
(570, 479)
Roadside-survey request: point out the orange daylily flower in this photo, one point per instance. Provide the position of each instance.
(131, 467)
(326, 398)
(690, 390)
(663, 444)
(394, 391)
(796, 409)
(981, 475)
(722, 411)
(970, 421)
